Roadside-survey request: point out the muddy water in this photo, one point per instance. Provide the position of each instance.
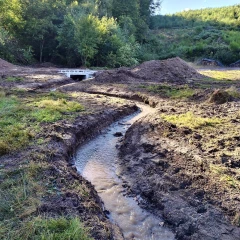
(97, 162)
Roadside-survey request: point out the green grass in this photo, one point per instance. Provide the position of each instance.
(191, 121)
(170, 91)
(19, 194)
(14, 79)
(21, 191)
(42, 228)
(20, 116)
(181, 93)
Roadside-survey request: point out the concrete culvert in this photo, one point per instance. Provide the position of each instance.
(78, 77)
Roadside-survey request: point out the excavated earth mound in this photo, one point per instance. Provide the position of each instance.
(5, 65)
(173, 70)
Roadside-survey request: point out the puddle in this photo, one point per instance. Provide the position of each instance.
(97, 162)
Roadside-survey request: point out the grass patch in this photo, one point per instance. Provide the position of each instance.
(19, 194)
(221, 173)
(233, 91)
(191, 121)
(14, 79)
(49, 110)
(170, 91)
(21, 191)
(20, 116)
(42, 228)
(230, 75)
(181, 93)
(60, 105)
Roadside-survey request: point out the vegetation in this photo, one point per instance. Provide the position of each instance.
(222, 75)
(20, 117)
(21, 193)
(210, 33)
(191, 121)
(170, 91)
(74, 33)
(114, 33)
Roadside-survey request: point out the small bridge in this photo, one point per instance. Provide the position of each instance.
(78, 74)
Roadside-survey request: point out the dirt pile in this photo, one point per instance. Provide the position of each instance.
(219, 97)
(5, 65)
(173, 70)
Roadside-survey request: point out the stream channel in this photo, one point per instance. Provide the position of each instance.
(97, 161)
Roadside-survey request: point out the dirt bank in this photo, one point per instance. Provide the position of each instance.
(173, 70)
(183, 161)
(185, 173)
(53, 188)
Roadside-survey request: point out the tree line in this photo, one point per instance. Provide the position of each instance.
(75, 32)
(194, 34)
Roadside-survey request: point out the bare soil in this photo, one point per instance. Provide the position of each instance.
(173, 70)
(188, 176)
(5, 65)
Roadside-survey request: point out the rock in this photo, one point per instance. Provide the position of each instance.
(118, 134)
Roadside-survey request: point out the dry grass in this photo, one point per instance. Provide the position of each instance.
(191, 121)
(231, 75)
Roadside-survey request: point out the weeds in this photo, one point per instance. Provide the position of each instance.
(170, 91)
(233, 91)
(43, 228)
(20, 117)
(14, 79)
(191, 121)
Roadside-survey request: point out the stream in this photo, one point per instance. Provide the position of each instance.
(97, 161)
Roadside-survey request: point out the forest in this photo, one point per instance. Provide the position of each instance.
(213, 33)
(74, 33)
(111, 33)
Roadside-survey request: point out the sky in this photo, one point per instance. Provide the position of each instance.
(172, 6)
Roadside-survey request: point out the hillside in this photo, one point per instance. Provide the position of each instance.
(211, 33)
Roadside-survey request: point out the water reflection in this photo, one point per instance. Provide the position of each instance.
(97, 162)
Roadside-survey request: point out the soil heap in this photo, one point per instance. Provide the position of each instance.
(5, 65)
(173, 70)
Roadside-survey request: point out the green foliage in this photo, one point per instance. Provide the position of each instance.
(207, 33)
(11, 50)
(221, 17)
(82, 32)
(191, 121)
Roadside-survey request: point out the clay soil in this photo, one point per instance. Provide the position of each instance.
(177, 162)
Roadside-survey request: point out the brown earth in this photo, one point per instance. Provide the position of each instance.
(5, 65)
(185, 175)
(173, 70)
(188, 176)
(71, 195)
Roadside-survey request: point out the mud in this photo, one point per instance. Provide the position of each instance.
(97, 162)
(187, 176)
(190, 177)
(174, 177)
